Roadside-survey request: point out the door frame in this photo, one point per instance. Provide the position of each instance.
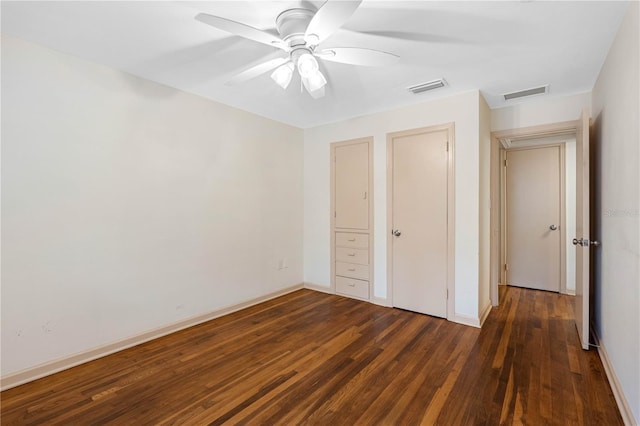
(497, 175)
(450, 129)
(563, 222)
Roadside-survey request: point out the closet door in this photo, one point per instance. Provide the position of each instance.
(351, 191)
(351, 218)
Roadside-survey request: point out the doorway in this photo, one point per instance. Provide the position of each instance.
(420, 219)
(581, 238)
(562, 135)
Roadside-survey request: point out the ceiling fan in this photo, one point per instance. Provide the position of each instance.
(301, 31)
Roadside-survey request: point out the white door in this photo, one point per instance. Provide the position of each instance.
(533, 218)
(581, 241)
(419, 242)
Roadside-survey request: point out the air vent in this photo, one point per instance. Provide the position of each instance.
(542, 90)
(430, 85)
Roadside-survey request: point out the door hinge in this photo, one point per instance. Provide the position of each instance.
(505, 163)
(334, 214)
(447, 146)
(447, 294)
(506, 267)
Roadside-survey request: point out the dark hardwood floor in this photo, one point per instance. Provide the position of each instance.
(313, 358)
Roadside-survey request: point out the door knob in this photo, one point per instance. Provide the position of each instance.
(396, 233)
(585, 242)
(553, 227)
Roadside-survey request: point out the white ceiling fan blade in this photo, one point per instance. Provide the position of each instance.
(256, 71)
(242, 30)
(331, 16)
(358, 56)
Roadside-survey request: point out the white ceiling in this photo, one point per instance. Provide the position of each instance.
(497, 47)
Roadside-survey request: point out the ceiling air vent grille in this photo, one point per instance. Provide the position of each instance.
(542, 90)
(429, 85)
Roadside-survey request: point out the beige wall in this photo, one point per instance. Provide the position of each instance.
(541, 110)
(616, 116)
(463, 111)
(127, 205)
(484, 282)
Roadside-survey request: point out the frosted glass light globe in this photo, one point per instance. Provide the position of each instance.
(307, 65)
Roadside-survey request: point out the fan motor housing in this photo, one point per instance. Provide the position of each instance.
(292, 24)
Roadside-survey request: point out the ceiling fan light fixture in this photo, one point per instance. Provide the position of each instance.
(317, 94)
(307, 65)
(299, 32)
(315, 81)
(283, 74)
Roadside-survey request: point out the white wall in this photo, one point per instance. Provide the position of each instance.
(617, 214)
(127, 205)
(461, 109)
(543, 110)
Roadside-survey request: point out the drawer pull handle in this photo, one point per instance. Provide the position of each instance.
(351, 285)
(351, 269)
(351, 239)
(351, 254)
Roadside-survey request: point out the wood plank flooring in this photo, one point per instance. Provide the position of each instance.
(314, 358)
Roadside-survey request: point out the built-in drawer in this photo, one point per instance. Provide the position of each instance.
(352, 255)
(350, 239)
(352, 270)
(351, 287)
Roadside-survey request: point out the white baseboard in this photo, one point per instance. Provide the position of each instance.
(380, 301)
(52, 367)
(571, 292)
(616, 388)
(318, 287)
(458, 318)
(465, 320)
(485, 313)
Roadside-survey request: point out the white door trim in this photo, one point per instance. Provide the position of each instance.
(450, 128)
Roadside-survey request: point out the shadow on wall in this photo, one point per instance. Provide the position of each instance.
(205, 63)
(198, 65)
(595, 221)
(146, 89)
